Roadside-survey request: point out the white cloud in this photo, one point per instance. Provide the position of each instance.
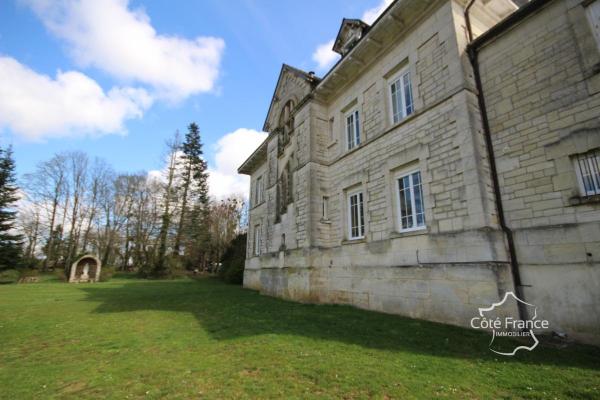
(107, 35)
(37, 106)
(325, 57)
(231, 150)
(372, 14)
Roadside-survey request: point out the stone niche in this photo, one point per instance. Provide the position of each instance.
(85, 269)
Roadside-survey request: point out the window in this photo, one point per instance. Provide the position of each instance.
(593, 13)
(587, 167)
(401, 96)
(352, 129)
(356, 216)
(325, 209)
(411, 211)
(258, 197)
(257, 240)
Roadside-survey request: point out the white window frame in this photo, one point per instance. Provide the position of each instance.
(325, 208)
(352, 140)
(258, 197)
(589, 164)
(413, 215)
(592, 11)
(394, 80)
(361, 224)
(257, 239)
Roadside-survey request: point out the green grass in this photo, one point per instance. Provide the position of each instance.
(182, 339)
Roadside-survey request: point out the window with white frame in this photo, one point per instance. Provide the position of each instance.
(257, 240)
(587, 168)
(325, 208)
(401, 98)
(258, 197)
(411, 210)
(593, 13)
(352, 129)
(356, 215)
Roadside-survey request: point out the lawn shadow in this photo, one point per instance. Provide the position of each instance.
(227, 312)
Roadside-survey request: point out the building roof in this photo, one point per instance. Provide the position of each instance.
(261, 152)
(308, 76)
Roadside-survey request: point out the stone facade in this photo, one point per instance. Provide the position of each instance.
(302, 246)
(543, 101)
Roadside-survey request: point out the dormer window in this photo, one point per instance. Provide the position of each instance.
(351, 31)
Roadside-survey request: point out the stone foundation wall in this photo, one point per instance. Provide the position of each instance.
(445, 292)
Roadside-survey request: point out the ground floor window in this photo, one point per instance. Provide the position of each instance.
(356, 215)
(411, 210)
(587, 167)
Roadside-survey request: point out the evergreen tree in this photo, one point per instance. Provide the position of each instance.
(10, 242)
(193, 226)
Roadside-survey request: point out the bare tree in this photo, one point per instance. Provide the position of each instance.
(49, 186)
(169, 196)
(78, 168)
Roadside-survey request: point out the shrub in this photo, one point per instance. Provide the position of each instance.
(9, 276)
(106, 273)
(28, 272)
(60, 274)
(232, 269)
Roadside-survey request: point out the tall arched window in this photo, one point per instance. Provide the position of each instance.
(286, 120)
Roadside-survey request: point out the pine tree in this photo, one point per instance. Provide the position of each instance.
(194, 207)
(10, 242)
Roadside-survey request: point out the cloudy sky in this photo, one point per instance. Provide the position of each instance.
(116, 78)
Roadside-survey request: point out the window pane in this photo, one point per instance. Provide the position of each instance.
(357, 220)
(361, 213)
(595, 163)
(589, 174)
(418, 194)
(395, 106)
(356, 128)
(405, 203)
(350, 131)
(408, 100)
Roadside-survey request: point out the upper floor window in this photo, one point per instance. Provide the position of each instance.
(356, 215)
(411, 210)
(258, 196)
(352, 129)
(401, 96)
(587, 168)
(257, 240)
(286, 120)
(593, 13)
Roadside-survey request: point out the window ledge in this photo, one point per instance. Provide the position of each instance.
(414, 232)
(580, 200)
(354, 241)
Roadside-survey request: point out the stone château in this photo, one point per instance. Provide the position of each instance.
(451, 155)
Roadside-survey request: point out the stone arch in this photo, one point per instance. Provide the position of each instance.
(286, 116)
(86, 269)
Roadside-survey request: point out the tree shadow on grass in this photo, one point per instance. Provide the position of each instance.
(227, 312)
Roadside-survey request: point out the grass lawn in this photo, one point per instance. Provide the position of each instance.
(182, 339)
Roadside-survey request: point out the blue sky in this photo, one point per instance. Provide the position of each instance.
(116, 78)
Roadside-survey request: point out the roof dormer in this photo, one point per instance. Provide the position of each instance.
(350, 33)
